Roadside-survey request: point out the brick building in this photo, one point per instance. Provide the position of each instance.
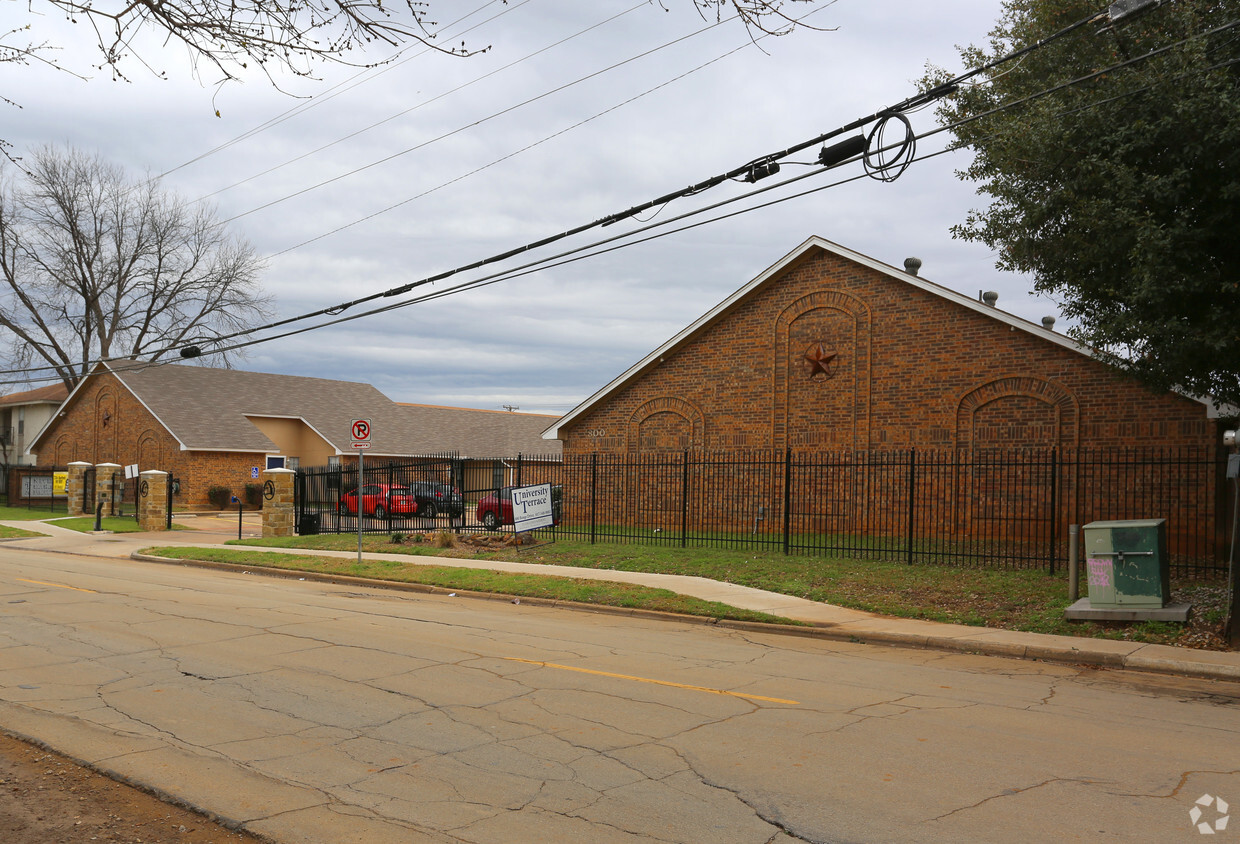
(829, 349)
(210, 427)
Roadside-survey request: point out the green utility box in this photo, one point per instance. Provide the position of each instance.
(1126, 564)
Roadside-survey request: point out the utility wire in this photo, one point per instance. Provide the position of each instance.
(476, 123)
(580, 253)
(912, 102)
(425, 103)
(345, 86)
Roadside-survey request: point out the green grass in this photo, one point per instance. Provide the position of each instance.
(22, 514)
(17, 533)
(600, 592)
(1016, 600)
(116, 524)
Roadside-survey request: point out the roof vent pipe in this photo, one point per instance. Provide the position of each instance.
(1048, 322)
(990, 297)
(912, 265)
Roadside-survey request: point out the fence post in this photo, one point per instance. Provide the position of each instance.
(105, 485)
(593, 495)
(912, 501)
(1054, 509)
(684, 498)
(787, 497)
(279, 495)
(517, 479)
(152, 500)
(75, 488)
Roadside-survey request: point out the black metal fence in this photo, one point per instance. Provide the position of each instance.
(327, 499)
(981, 508)
(35, 488)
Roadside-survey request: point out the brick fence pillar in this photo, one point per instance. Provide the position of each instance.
(103, 487)
(278, 502)
(153, 500)
(75, 488)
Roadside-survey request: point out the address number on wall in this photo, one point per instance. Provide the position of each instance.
(594, 432)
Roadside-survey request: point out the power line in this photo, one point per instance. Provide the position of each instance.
(915, 102)
(426, 102)
(354, 81)
(474, 124)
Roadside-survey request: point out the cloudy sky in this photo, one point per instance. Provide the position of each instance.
(362, 181)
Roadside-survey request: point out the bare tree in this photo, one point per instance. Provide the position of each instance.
(289, 35)
(96, 265)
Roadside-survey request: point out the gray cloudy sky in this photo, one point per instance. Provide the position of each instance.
(471, 157)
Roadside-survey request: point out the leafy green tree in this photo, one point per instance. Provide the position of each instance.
(1111, 158)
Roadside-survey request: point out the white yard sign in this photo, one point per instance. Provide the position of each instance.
(531, 507)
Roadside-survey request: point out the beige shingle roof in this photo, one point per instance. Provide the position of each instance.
(207, 410)
(52, 394)
(478, 433)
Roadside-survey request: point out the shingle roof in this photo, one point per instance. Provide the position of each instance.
(207, 410)
(51, 394)
(478, 433)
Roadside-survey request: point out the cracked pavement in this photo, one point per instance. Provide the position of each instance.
(313, 712)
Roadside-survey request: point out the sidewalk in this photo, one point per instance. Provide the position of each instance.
(827, 621)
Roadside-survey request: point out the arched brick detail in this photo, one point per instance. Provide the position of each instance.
(150, 451)
(849, 391)
(1041, 411)
(65, 451)
(694, 422)
(106, 425)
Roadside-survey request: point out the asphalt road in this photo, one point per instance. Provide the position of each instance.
(312, 712)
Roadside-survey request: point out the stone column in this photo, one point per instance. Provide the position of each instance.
(103, 487)
(75, 488)
(153, 500)
(278, 516)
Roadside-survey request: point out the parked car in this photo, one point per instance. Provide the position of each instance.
(435, 498)
(494, 511)
(379, 500)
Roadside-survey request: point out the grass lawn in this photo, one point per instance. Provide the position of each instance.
(16, 533)
(22, 514)
(116, 524)
(602, 592)
(1017, 600)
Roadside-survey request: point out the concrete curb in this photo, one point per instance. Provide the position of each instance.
(1159, 659)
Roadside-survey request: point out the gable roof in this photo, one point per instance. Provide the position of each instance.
(51, 394)
(208, 409)
(819, 243)
(478, 433)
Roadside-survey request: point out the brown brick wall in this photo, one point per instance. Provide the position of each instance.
(106, 424)
(830, 353)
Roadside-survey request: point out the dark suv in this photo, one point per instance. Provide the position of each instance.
(435, 498)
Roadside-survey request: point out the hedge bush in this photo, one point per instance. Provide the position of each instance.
(254, 495)
(219, 496)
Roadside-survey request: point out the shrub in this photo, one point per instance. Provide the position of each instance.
(219, 496)
(254, 495)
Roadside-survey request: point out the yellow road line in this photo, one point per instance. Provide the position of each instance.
(656, 682)
(58, 585)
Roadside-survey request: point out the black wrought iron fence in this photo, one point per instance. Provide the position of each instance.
(998, 508)
(36, 488)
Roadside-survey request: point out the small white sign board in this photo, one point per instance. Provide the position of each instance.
(531, 507)
(131, 471)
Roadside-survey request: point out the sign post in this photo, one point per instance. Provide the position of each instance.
(359, 430)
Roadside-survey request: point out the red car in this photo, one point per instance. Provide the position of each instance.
(493, 511)
(380, 500)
